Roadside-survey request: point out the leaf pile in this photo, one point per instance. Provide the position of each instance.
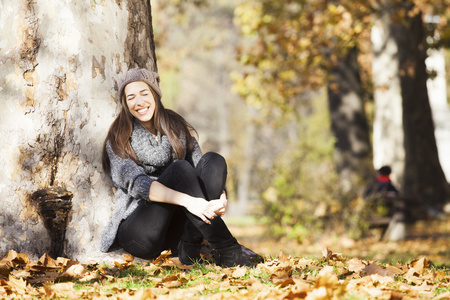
(331, 277)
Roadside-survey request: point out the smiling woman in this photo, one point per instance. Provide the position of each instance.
(141, 104)
(169, 195)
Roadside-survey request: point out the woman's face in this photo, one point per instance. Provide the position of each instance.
(140, 101)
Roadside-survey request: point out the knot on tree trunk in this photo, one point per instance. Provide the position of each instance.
(54, 205)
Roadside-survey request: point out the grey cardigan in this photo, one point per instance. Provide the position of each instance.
(133, 185)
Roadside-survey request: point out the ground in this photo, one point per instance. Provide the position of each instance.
(428, 239)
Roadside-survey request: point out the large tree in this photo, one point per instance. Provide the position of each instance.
(403, 128)
(59, 63)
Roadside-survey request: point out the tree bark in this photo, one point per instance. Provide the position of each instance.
(59, 64)
(348, 122)
(423, 175)
(403, 128)
(388, 136)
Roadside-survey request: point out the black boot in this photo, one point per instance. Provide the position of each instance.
(228, 252)
(237, 255)
(190, 245)
(189, 252)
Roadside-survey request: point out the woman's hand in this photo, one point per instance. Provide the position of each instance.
(220, 206)
(202, 209)
(205, 210)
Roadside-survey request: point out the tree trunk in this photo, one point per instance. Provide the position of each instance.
(388, 137)
(348, 122)
(403, 129)
(423, 175)
(59, 63)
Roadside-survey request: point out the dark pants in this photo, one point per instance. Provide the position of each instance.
(154, 226)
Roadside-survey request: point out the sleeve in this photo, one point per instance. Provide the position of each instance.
(128, 175)
(195, 154)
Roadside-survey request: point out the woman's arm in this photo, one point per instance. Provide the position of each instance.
(197, 206)
(128, 175)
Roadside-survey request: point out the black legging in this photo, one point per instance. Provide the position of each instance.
(155, 226)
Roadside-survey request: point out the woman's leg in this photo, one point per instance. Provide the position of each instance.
(153, 226)
(212, 171)
(146, 230)
(143, 233)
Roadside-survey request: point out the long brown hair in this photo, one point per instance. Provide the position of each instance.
(166, 121)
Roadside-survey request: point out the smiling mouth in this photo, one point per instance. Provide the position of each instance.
(142, 110)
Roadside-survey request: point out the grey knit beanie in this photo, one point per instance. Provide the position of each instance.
(139, 74)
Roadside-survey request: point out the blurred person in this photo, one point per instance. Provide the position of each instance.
(382, 184)
(169, 195)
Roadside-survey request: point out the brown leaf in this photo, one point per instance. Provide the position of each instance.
(373, 268)
(75, 271)
(216, 276)
(174, 262)
(21, 274)
(63, 262)
(46, 277)
(163, 256)
(17, 258)
(281, 274)
(284, 282)
(356, 265)
(47, 261)
(394, 270)
(284, 258)
(239, 272)
(19, 286)
(128, 257)
(174, 280)
(5, 268)
(60, 289)
(329, 255)
(419, 265)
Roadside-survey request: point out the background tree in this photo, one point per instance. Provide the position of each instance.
(403, 129)
(299, 46)
(59, 62)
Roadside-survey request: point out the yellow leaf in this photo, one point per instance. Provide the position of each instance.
(17, 285)
(356, 265)
(239, 272)
(128, 257)
(47, 261)
(163, 256)
(61, 289)
(75, 271)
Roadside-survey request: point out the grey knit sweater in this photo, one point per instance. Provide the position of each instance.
(133, 185)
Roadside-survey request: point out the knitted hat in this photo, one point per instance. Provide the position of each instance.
(138, 74)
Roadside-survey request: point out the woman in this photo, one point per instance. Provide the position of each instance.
(169, 195)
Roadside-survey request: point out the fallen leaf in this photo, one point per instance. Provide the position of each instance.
(61, 289)
(374, 268)
(356, 265)
(216, 276)
(17, 258)
(419, 266)
(47, 261)
(75, 271)
(5, 268)
(239, 272)
(163, 256)
(19, 286)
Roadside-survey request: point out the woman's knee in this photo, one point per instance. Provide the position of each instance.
(213, 159)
